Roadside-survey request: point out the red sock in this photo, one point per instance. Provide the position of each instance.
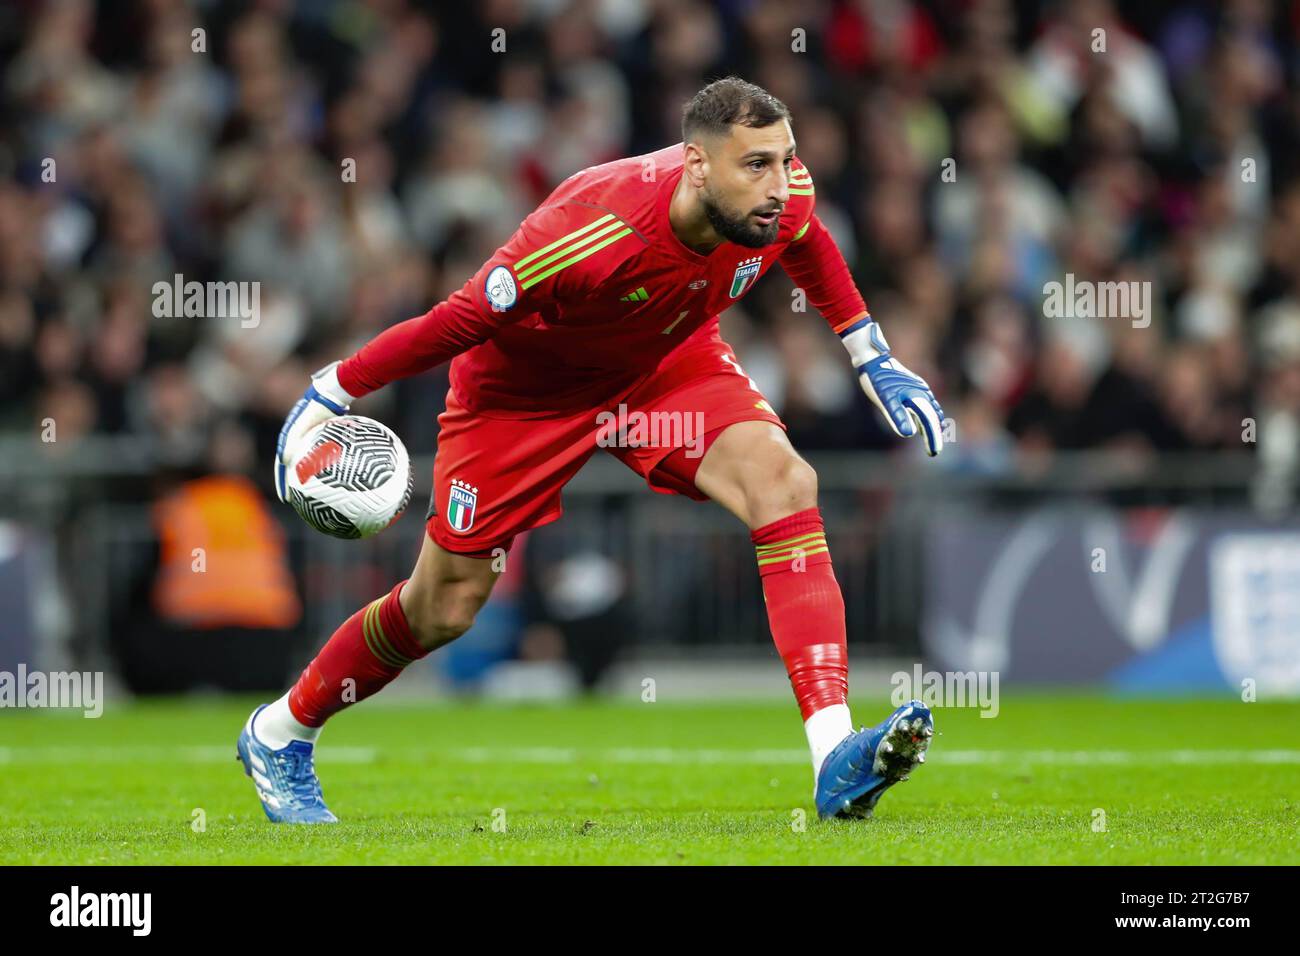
(370, 648)
(805, 609)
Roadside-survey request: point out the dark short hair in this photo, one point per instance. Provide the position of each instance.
(730, 102)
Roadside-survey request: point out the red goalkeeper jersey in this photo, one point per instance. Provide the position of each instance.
(594, 291)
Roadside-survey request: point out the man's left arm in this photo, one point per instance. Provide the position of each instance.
(816, 265)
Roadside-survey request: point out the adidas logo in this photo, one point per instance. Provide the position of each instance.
(640, 295)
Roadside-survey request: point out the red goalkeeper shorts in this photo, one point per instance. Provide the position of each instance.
(496, 477)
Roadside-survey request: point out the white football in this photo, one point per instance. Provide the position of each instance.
(350, 477)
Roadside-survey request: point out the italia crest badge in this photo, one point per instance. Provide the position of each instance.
(745, 273)
(460, 505)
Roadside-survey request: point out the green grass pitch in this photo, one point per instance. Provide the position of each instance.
(1056, 778)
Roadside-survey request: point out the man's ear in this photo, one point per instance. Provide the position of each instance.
(695, 164)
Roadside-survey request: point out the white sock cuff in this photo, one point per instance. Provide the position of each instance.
(825, 729)
(276, 726)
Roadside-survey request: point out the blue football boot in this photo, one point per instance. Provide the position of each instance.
(285, 779)
(864, 765)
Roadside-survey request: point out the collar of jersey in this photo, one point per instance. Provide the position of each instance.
(680, 249)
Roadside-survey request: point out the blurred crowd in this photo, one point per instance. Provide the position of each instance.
(361, 158)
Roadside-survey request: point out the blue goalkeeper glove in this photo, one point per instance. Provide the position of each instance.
(323, 400)
(902, 396)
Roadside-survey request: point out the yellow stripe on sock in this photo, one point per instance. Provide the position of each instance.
(367, 631)
(788, 542)
(792, 555)
(788, 548)
(819, 543)
(385, 639)
(376, 640)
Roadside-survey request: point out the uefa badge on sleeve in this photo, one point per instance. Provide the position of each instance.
(460, 505)
(500, 289)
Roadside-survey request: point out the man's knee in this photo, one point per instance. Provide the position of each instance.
(752, 471)
(788, 486)
(438, 612)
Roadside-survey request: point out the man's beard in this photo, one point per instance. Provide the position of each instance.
(739, 227)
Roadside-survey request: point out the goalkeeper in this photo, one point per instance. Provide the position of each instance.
(608, 295)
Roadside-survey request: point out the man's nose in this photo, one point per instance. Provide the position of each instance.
(780, 192)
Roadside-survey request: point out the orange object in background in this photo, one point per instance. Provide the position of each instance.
(223, 559)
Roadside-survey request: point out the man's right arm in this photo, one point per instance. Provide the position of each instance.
(494, 297)
(452, 326)
(469, 316)
(498, 294)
